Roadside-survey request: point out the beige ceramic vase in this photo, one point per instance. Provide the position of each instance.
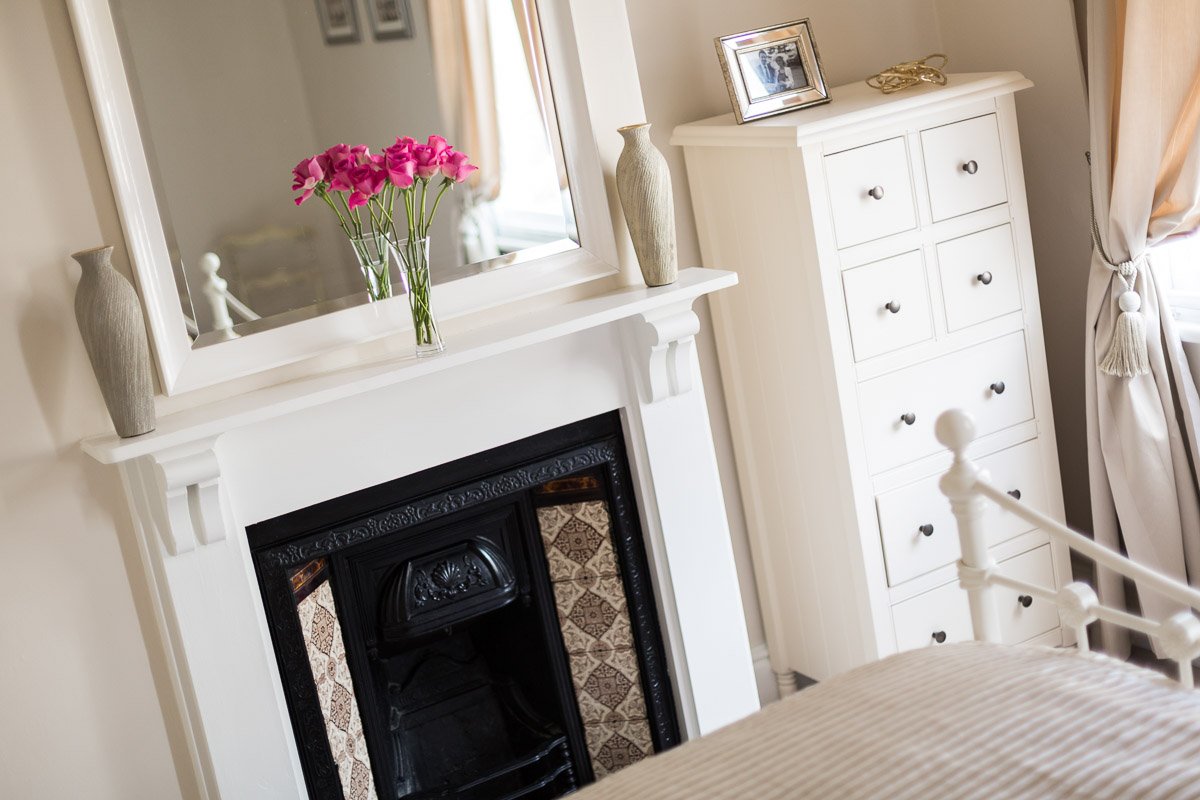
(114, 334)
(644, 186)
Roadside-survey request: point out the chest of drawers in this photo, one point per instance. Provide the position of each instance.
(887, 274)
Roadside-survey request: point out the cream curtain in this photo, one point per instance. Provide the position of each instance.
(462, 68)
(530, 28)
(1144, 105)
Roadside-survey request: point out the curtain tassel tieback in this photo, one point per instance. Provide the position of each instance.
(1127, 355)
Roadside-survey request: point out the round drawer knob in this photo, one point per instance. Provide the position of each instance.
(876, 192)
(926, 529)
(1025, 600)
(892, 306)
(984, 277)
(971, 167)
(1015, 494)
(939, 636)
(909, 418)
(998, 387)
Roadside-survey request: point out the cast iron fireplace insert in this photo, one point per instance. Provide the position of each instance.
(451, 625)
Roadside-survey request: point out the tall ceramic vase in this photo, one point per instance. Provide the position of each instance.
(644, 185)
(114, 334)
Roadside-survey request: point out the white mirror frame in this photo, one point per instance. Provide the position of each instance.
(596, 90)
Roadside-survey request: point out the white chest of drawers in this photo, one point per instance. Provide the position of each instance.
(886, 275)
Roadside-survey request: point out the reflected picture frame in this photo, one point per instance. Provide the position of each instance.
(772, 70)
(339, 21)
(390, 19)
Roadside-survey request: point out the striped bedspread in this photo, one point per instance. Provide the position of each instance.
(960, 721)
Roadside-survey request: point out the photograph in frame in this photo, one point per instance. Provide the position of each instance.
(390, 19)
(339, 22)
(772, 70)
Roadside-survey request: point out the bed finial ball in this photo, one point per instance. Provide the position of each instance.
(955, 429)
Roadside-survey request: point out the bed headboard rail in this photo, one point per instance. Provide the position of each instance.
(969, 491)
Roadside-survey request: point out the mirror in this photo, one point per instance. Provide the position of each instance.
(231, 94)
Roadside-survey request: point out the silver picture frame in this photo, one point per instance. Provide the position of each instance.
(772, 70)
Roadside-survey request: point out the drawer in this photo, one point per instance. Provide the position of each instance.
(1019, 622)
(887, 303)
(943, 614)
(939, 616)
(964, 167)
(897, 411)
(870, 192)
(979, 277)
(918, 531)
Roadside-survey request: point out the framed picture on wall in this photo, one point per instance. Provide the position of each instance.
(390, 19)
(772, 70)
(339, 22)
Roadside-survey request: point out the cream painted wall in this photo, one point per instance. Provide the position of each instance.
(78, 683)
(81, 717)
(682, 82)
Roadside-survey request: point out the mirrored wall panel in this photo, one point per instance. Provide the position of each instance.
(232, 95)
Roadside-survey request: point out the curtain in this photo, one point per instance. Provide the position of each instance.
(1142, 405)
(530, 30)
(462, 68)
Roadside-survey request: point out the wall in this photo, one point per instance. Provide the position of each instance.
(682, 82)
(81, 690)
(81, 714)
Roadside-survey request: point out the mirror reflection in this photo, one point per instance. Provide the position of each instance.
(232, 94)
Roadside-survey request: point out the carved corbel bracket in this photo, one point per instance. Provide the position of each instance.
(667, 337)
(186, 496)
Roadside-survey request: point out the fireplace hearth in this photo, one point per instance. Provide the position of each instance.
(483, 629)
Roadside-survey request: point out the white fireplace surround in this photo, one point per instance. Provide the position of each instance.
(205, 474)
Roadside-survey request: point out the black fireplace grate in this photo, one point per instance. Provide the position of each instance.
(472, 696)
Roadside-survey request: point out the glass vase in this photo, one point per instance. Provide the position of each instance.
(372, 251)
(414, 253)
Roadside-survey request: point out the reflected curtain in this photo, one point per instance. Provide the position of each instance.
(1144, 108)
(530, 28)
(462, 68)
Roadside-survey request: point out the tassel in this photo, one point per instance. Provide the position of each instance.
(1127, 357)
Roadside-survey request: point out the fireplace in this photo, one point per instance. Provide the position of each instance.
(482, 629)
(210, 475)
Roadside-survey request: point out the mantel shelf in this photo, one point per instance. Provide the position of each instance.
(204, 422)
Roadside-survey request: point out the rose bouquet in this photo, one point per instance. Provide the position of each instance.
(362, 189)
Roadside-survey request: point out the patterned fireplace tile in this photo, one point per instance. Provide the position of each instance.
(615, 745)
(578, 540)
(335, 692)
(608, 685)
(594, 619)
(593, 614)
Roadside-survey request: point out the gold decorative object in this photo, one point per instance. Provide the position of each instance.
(910, 73)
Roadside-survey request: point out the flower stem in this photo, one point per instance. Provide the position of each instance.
(446, 184)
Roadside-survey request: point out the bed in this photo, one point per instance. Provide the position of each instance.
(971, 720)
(965, 720)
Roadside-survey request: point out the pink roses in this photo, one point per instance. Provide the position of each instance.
(362, 176)
(351, 179)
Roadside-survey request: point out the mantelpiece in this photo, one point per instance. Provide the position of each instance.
(206, 473)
